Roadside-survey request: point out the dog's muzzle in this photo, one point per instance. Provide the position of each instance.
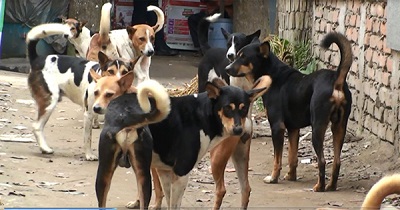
(237, 130)
(98, 109)
(231, 57)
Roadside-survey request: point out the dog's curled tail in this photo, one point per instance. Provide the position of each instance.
(386, 186)
(346, 56)
(105, 25)
(160, 17)
(161, 96)
(42, 31)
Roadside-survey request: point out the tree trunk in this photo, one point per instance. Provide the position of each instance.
(251, 15)
(87, 10)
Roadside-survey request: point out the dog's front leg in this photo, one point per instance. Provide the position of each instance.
(219, 156)
(166, 182)
(278, 131)
(293, 150)
(87, 136)
(178, 187)
(240, 159)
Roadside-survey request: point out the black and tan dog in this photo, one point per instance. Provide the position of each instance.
(295, 100)
(221, 113)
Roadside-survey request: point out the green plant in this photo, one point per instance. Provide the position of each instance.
(303, 59)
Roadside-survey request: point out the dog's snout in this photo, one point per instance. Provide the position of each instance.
(237, 130)
(66, 36)
(150, 53)
(97, 109)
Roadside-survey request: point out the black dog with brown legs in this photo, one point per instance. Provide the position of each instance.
(295, 101)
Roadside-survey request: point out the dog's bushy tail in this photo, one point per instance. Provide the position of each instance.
(346, 56)
(105, 25)
(386, 186)
(42, 31)
(161, 96)
(160, 17)
(202, 29)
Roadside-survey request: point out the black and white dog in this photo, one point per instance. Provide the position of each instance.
(219, 58)
(54, 76)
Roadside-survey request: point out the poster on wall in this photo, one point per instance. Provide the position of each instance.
(2, 9)
(176, 27)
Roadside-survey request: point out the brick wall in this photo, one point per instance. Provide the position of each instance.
(374, 75)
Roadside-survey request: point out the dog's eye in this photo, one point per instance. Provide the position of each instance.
(228, 111)
(109, 95)
(124, 72)
(96, 93)
(142, 39)
(152, 39)
(111, 72)
(72, 29)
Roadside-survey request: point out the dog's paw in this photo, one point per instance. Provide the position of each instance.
(290, 177)
(91, 157)
(133, 204)
(270, 180)
(318, 188)
(46, 150)
(96, 126)
(330, 187)
(155, 207)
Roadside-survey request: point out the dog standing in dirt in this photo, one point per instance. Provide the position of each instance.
(295, 101)
(54, 76)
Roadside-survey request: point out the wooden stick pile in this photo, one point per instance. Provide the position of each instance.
(187, 89)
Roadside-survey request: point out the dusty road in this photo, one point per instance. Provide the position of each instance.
(31, 179)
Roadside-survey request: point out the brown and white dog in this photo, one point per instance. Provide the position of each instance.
(54, 76)
(131, 43)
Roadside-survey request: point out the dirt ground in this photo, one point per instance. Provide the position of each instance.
(31, 179)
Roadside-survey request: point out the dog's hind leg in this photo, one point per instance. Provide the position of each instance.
(87, 136)
(178, 187)
(293, 149)
(338, 131)
(278, 131)
(107, 164)
(318, 135)
(240, 159)
(219, 156)
(157, 189)
(46, 99)
(166, 182)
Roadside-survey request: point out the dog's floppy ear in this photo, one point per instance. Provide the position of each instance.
(213, 88)
(125, 82)
(225, 33)
(261, 85)
(131, 30)
(103, 58)
(265, 48)
(94, 75)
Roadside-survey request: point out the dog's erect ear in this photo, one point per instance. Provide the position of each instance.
(131, 30)
(261, 85)
(155, 27)
(265, 48)
(103, 58)
(213, 88)
(225, 33)
(63, 18)
(255, 35)
(94, 75)
(125, 82)
(83, 23)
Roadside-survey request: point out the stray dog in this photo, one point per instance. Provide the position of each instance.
(219, 58)
(295, 100)
(54, 76)
(131, 43)
(126, 140)
(221, 113)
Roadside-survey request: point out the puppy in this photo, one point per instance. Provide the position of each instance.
(221, 113)
(126, 140)
(219, 58)
(54, 76)
(295, 100)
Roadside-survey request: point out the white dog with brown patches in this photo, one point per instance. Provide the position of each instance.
(130, 43)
